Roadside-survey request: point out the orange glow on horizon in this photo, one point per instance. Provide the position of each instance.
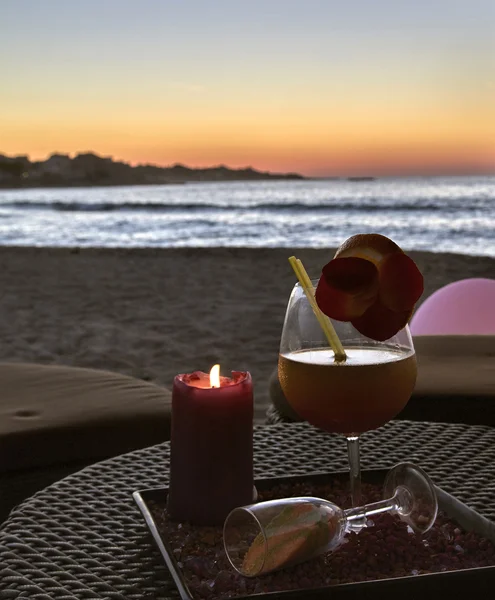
(384, 160)
(383, 142)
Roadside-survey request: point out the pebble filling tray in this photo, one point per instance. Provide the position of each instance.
(385, 559)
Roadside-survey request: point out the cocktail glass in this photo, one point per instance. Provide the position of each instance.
(267, 536)
(349, 397)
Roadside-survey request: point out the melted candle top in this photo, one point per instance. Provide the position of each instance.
(202, 380)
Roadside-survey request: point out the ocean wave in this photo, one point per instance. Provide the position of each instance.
(62, 206)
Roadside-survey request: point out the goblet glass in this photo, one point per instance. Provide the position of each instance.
(271, 535)
(349, 397)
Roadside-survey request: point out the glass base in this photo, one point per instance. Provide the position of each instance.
(415, 494)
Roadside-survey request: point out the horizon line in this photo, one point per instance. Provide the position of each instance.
(452, 172)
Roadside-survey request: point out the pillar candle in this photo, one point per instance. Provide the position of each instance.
(211, 453)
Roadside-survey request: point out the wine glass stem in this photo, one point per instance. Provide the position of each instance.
(354, 468)
(359, 513)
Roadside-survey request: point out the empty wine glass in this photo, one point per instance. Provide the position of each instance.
(271, 535)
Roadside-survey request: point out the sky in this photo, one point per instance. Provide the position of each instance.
(318, 87)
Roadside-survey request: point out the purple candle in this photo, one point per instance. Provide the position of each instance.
(211, 454)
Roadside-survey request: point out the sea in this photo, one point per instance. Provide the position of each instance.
(440, 214)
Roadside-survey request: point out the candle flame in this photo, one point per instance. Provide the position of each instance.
(215, 376)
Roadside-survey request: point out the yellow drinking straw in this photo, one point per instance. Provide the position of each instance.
(323, 320)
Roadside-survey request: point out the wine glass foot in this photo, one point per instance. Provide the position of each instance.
(415, 495)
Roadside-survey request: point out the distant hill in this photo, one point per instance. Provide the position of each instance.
(88, 169)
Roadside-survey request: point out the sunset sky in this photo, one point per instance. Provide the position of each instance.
(355, 87)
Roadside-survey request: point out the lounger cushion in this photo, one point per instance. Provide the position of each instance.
(455, 365)
(56, 415)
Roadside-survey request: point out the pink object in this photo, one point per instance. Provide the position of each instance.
(465, 307)
(211, 452)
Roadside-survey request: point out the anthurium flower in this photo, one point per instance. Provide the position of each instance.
(371, 283)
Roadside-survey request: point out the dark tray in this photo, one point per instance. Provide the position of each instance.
(481, 579)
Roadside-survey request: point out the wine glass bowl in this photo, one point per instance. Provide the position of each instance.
(275, 534)
(366, 391)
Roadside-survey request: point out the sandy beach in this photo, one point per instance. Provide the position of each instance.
(153, 313)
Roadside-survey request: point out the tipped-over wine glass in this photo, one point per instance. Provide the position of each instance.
(348, 397)
(268, 536)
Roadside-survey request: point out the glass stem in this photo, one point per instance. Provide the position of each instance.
(355, 469)
(360, 513)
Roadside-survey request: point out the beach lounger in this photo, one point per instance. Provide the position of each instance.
(55, 420)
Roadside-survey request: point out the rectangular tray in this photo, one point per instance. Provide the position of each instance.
(480, 579)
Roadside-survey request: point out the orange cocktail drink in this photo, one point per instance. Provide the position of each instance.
(367, 390)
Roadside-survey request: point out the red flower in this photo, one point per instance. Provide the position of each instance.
(372, 284)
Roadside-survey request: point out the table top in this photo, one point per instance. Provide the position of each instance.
(84, 537)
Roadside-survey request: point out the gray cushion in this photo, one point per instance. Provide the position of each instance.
(51, 414)
(455, 365)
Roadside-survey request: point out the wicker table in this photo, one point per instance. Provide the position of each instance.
(83, 537)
